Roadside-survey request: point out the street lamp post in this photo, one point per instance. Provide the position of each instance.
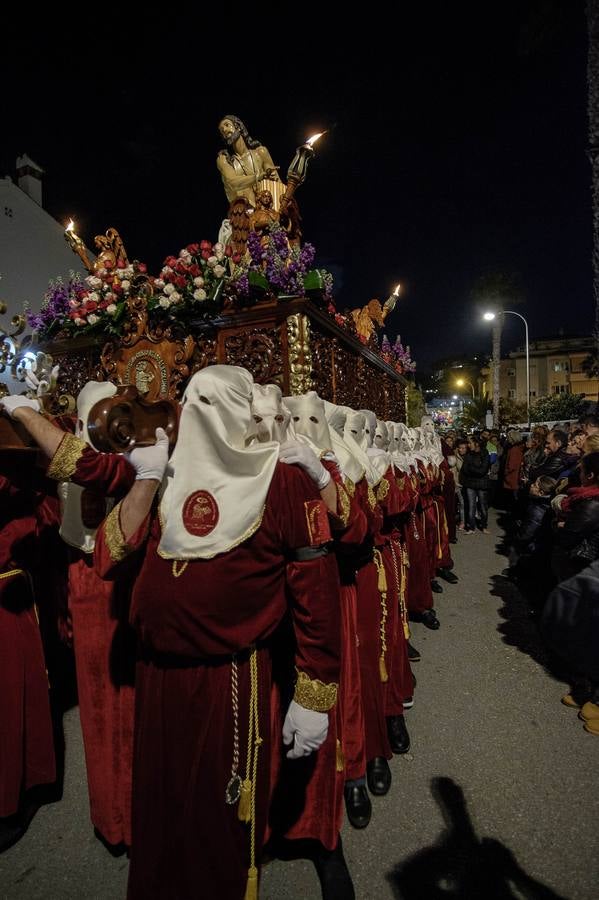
(489, 316)
(462, 381)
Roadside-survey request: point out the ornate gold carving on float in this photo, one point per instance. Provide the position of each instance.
(300, 356)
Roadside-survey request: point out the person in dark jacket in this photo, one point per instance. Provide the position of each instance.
(570, 626)
(474, 478)
(556, 456)
(577, 529)
(538, 510)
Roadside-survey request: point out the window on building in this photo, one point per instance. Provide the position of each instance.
(533, 393)
(561, 389)
(560, 367)
(511, 372)
(511, 393)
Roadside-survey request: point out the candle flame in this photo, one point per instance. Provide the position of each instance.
(397, 289)
(70, 226)
(312, 140)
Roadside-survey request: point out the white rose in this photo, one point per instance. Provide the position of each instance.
(166, 270)
(79, 322)
(74, 304)
(185, 255)
(198, 282)
(93, 296)
(219, 271)
(111, 309)
(212, 261)
(164, 302)
(175, 297)
(199, 294)
(110, 297)
(169, 289)
(127, 272)
(92, 319)
(219, 248)
(125, 285)
(220, 255)
(159, 283)
(93, 281)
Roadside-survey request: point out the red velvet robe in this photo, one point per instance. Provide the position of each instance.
(369, 632)
(312, 792)
(420, 596)
(26, 740)
(400, 686)
(104, 646)
(186, 841)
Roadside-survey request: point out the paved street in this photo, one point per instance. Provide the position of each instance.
(498, 798)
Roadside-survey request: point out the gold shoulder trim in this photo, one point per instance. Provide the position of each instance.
(314, 694)
(64, 462)
(383, 489)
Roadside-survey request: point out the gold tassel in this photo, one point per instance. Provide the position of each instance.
(251, 888)
(339, 757)
(244, 810)
(406, 631)
(383, 670)
(382, 582)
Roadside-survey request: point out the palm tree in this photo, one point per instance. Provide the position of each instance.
(496, 290)
(475, 412)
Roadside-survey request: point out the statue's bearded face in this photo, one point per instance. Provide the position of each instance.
(229, 132)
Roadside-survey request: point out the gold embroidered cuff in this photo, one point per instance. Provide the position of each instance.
(314, 694)
(64, 462)
(115, 539)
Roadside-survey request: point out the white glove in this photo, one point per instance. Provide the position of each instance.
(150, 462)
(294, 453)
(14, 402)
(304, 728)
(556, 503)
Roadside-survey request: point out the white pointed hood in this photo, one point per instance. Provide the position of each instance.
(215, 487)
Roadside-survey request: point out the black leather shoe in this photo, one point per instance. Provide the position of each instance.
(357, 805)
(436, 587)
(378, 775)
(413, 654)
(398, 734)
(429, 618)
(333, 874)
(448, 576)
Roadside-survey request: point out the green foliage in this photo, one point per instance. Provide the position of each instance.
(511, 412)
(416, 408)
(558, 406)
(497, 289)
(475, 412)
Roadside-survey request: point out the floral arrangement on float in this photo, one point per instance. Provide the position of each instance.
(397, 355)
(200, 282)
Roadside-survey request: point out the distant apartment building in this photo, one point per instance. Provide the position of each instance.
(556, 367)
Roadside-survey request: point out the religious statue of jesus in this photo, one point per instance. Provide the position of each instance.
(245, 165)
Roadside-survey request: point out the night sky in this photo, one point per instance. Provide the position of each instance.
(456, 145)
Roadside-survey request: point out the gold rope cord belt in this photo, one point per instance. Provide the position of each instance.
(12, 573)
(382, 587)
(400, 582)
(439, 551)
(245, 791)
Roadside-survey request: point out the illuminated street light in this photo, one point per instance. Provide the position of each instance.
(488, 317)
(462, 381)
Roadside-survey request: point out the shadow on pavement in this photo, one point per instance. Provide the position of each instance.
(461, 865)
(519, 628)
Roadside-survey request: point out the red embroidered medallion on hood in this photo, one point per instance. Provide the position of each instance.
(200, 513)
